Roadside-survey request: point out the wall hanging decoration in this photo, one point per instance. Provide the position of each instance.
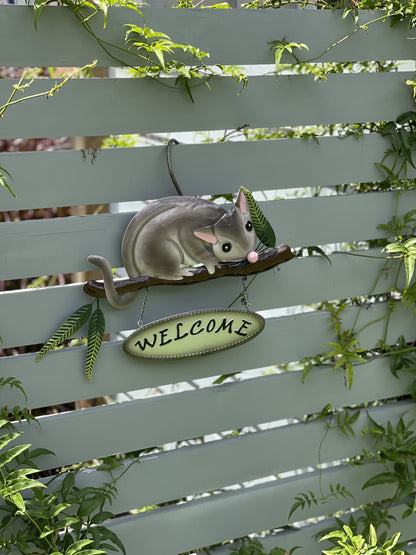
(181, 240)
(194, 333)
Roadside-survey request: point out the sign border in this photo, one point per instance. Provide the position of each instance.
(260, 319)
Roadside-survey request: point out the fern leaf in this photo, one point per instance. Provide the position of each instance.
(96, 329)
(261, 224)
(66, 329)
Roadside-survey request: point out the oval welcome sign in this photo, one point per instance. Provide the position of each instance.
(194, 333)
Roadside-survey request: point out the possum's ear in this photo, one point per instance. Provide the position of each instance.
(203, 234)
(241, 202)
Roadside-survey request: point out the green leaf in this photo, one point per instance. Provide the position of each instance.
(12, 453)
(382, 478)
(58, 509)
(101, 517)
(187, 88)
(90, 552)
(262, 227)
(7, 438)
(405, 491)
(409, 264)
(318, 250)
(96, 330)
(77, 546)
(37, 9)
(17, 499)
(295, 506)
(67, 484)
(406, 117)
(66, 329)
(385, 168)
(3, 180)
(20, 472)
(107, 534)
(373, 536)
(88, 506)
(26, 483)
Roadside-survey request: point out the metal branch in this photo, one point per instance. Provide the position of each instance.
(266, 261)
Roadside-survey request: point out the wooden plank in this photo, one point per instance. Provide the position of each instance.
(208, 467)
(236, 514)
(342, 98)
(305, 536)
(347, 275)
(231, 37)
(279, 343)
(227, 407)
(216, 168)
(62, 245)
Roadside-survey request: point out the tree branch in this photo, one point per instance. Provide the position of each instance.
(266, 261)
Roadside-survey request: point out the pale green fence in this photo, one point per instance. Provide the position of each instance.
(103, 106)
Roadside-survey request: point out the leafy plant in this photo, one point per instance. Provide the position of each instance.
(152, 48)
(402, 134)
(65, 521)
(280, 47)
(253, 546)
(395, 449)
(346, 349)
(349, 544)
(407, 252)
(309, 499)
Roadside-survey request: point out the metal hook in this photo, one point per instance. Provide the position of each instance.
(169, 162)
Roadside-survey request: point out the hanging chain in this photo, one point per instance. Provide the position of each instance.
(244, 296)
(146, 296)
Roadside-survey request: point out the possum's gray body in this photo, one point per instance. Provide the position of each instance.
(164, 239)
(172, 234)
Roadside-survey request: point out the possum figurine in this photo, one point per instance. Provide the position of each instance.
(173, 233)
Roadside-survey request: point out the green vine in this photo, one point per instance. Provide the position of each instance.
(151, 48)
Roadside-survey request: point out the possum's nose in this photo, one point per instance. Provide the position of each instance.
(252, 257)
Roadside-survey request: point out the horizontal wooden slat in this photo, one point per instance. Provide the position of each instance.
(62, 245)
(233, 515)
(124, 104)
(229, 406)
(305, 536)
(208, 467)
(283, 340)
(215, 168)
(231, 37)
(348, 275)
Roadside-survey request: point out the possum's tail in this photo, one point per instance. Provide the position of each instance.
(116, 300)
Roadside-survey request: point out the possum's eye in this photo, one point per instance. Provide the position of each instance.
(226, 247)
(249, 225)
